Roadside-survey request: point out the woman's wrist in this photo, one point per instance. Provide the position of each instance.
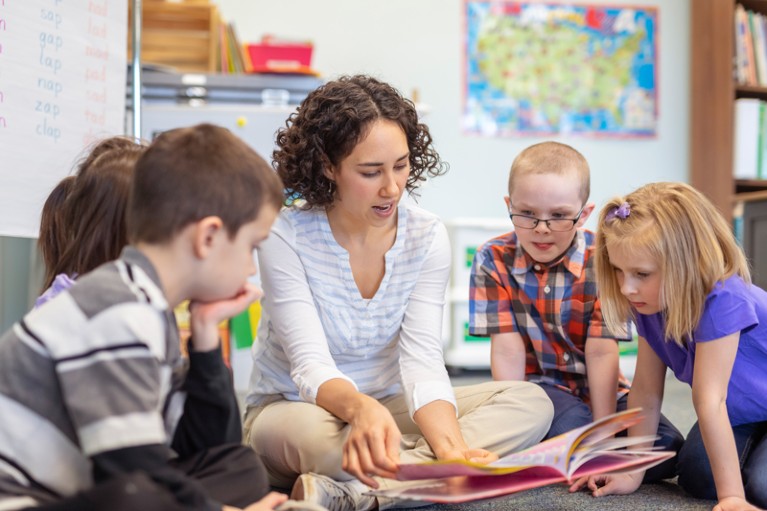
(448, 448)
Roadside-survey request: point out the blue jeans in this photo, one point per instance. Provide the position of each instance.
(571, 412)
(695, 470)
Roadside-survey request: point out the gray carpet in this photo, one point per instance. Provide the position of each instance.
(649, 497)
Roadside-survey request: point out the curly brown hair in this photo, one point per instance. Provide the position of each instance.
(328, 125)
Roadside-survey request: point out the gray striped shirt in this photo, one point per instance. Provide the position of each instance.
(91, 371)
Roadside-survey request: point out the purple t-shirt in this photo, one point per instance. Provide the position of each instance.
(731, 307)
(62, 282)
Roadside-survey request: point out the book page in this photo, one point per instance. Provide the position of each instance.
(550, 453)
(465, 489)
(555, 453)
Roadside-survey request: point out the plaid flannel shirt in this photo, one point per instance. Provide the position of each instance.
(553, 307)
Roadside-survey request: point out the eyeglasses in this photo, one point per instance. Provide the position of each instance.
(553, 224)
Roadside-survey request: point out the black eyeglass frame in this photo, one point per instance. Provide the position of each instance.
(547, 221)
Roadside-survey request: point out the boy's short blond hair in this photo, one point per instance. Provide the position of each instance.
(551, 157)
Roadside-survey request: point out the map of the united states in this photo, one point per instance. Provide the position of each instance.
(537, 68)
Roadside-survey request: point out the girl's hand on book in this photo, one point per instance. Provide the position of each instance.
(616, 484)
(734, 504)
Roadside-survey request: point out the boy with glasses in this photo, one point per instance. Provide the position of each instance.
(533, 291)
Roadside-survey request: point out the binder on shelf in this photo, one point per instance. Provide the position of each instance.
(746, 138)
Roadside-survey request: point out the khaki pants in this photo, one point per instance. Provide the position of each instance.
(294, 438)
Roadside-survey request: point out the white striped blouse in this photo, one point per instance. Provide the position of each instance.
(316, 326)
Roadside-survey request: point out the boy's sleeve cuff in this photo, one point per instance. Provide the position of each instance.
(205, 362)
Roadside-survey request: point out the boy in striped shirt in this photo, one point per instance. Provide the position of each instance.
(100, 410)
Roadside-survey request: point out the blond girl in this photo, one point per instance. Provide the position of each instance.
(667, 257)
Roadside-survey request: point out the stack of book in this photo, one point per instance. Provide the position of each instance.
(232, 56)
(750, 47)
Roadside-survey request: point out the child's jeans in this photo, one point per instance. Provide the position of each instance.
(571, 412)
(695, 470)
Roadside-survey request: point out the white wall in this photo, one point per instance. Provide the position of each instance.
(418, 44)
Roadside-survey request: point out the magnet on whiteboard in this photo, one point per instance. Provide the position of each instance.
(241, 122)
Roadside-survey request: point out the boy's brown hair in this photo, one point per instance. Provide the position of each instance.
(551, 157)
(191, 173)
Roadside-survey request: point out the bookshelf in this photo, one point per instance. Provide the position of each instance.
(713, 92)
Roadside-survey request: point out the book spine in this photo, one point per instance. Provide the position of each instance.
(737, 222)
(751, 69)
(759, 47)
(759, 139)
(741, 59)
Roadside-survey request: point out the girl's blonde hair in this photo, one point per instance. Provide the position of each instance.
(686, 236)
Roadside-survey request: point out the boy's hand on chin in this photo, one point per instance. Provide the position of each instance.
(205, 316)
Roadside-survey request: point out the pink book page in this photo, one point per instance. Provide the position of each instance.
(550, 453)
(555, 453)
(467, 488)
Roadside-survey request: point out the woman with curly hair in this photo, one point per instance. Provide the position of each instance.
(349, 378)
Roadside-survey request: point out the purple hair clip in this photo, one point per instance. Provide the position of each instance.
(622, 212)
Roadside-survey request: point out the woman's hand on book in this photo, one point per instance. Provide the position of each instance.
(481, 456)
(372, 447)
(609, 484)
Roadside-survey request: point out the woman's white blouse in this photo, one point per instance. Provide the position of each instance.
(315, 325)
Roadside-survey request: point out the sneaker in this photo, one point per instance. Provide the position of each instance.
(331, 494)
(299, 505)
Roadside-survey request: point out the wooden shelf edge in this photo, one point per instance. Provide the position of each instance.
(754, 5)
(750, 196)
(754, 183)
(750, 91)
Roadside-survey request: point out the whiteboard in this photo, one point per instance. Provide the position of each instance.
(62, 86)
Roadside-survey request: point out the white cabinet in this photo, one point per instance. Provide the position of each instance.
(463, 351)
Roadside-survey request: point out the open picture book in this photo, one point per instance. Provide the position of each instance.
(589, 450)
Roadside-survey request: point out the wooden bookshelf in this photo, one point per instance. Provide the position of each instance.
(183, 35)
(713, 92)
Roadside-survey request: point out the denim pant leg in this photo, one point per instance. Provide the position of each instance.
(755, 468)
(695, 475)
(570, 412)
(669, 439)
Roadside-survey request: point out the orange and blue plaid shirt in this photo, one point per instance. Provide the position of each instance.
(554, 307)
